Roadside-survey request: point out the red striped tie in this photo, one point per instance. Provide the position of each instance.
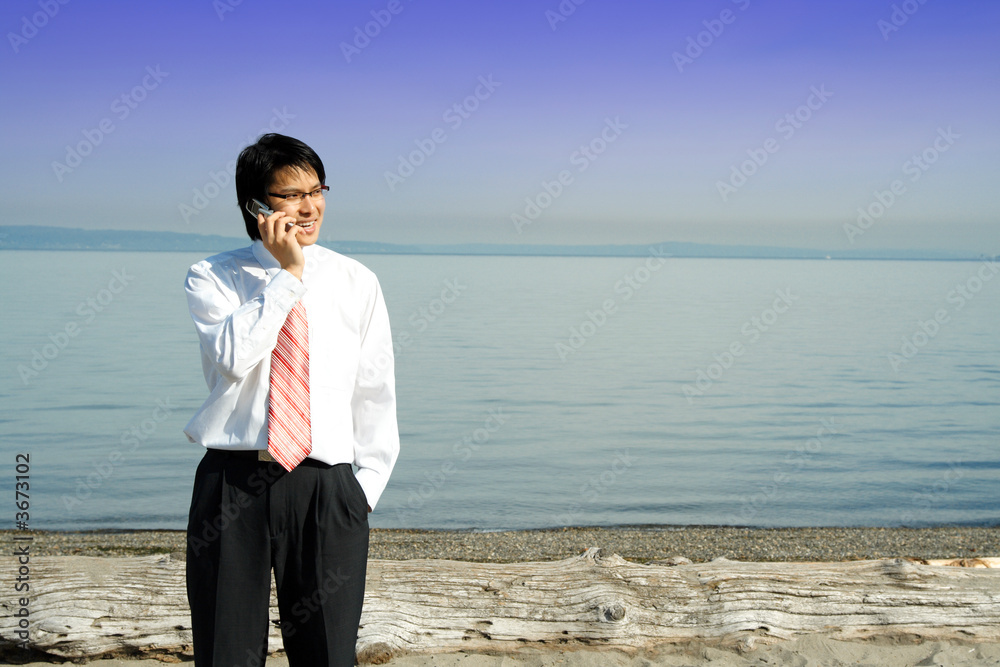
(289, 432)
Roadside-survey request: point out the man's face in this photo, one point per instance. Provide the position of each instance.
(308, 212)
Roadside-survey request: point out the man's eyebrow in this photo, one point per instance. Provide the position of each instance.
(294, 189)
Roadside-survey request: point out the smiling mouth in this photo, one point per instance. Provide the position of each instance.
(307, 225)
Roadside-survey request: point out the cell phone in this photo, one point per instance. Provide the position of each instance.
(255, 206)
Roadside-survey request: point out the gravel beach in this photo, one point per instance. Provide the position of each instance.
(636, 543)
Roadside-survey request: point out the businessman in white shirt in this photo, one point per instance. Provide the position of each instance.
(256, 504)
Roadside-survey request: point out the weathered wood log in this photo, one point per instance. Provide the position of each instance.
(87, 607)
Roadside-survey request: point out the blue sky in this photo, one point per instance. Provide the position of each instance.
(820, 108)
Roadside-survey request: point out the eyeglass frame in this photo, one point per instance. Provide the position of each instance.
(301, 196)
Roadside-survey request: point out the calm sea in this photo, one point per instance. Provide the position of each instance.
(538, 392)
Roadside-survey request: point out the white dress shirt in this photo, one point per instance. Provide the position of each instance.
(239, 300)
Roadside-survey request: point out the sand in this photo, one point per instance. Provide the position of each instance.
(812, 650)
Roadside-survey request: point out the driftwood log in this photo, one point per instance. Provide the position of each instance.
(82, 607)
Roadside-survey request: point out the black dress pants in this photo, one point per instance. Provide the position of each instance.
(310, 525)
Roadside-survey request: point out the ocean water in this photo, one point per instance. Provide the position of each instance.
(537, 392)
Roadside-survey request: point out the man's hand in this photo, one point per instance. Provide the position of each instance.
(278, 231)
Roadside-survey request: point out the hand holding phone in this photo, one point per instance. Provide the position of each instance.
(287, 250)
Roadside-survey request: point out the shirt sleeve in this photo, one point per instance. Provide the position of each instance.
(376, 433)
(237, 335)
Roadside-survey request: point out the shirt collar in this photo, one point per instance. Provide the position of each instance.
(265, 258)
(268, 261)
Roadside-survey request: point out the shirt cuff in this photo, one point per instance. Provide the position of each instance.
(372, 483)
(287, 290)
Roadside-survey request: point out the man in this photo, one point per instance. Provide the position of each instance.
(297, 354)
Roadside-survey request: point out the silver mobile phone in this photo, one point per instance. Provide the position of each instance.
(255, 206)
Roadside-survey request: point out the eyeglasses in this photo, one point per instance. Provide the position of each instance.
(297, 197)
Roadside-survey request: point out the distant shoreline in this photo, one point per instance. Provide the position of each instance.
(42, 238)
(539, 255)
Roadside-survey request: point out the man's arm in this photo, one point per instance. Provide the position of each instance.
(376, 434)
(237, 336)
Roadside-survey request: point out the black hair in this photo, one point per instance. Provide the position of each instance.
(257, 164)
